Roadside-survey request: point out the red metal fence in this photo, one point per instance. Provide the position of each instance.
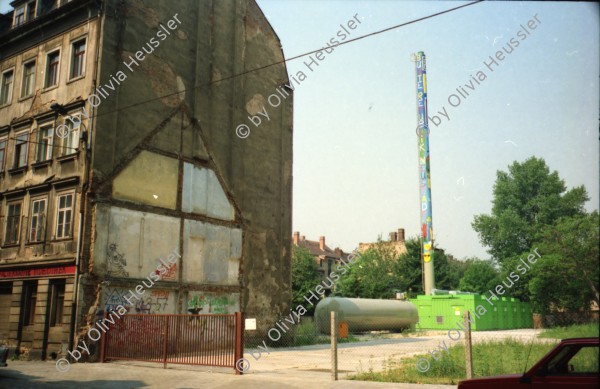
(210, 340)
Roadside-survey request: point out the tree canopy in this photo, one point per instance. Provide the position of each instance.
(526, 199)
(532, 208)
(379, 272)
(479, 277)
(571, 262)
(373, 275)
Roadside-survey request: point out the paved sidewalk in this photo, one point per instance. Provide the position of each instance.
(21, 375)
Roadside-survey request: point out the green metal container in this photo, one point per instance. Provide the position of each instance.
(510, 313)
(520, 314)
(443, 312)
(485, 314)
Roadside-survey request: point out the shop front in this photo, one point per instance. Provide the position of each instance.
(35, 309)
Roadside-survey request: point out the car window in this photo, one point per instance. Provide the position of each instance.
(574, 360)
(585, 361)
(557, 364)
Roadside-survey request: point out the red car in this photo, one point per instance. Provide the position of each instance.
(571, 364)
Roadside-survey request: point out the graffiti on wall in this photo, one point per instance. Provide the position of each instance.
(171, 273)
(116, 262)
(154, 303)
(151, 302)
(207, 303)
(113, 297)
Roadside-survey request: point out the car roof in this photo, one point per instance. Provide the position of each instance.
(580, 340)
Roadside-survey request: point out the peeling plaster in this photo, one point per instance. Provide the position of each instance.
(255, 104)
(163, 80)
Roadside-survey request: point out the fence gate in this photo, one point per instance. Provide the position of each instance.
(209, 340)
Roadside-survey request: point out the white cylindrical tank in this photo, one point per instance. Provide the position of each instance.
(366, 314)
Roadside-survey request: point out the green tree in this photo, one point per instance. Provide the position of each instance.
(410, 269)
(448, 271)
(372, 275)
(567, 276)
(305, 277)
(526, 199)
(479, 277)
(379, 272)
(520, 287)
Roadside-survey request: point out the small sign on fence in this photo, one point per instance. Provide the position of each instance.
(250, 324)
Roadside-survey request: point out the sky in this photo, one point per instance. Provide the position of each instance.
(355, 149)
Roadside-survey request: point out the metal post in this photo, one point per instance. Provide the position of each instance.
(165, 344)
(468, 345)
(103, 340)
(334, 336)
(239, 340)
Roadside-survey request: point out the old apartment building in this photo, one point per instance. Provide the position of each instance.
(327, 259)
(118, 152)
(397, 242)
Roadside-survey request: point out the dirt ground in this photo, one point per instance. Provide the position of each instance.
(371, 354)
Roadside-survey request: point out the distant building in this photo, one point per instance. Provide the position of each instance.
(397, 242)
(326, 258)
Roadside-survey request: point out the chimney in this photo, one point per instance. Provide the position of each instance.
(400, 234)
(302, 238)
(393, 236)
(296, 237)
(322, 242)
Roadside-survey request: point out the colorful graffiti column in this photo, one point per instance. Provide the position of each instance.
(424, 175)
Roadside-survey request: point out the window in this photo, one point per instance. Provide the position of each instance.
(78, 58)
(30, 11)
(13, 223)
(2, 153)
(57, 302)
(28, 79)
(6, 87)
(29, 302)
(52, 69)
(21, 143)
(585, 361)
(71, 141)
(47, 6)
(64, 216)
(44, 146)
(19, 16)
(38, 220)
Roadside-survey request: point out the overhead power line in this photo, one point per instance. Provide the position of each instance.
(285, 60)
(292, 58)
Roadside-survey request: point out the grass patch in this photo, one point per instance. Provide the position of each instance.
(574, 331)
(507, 356)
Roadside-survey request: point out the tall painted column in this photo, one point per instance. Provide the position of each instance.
(424, 176)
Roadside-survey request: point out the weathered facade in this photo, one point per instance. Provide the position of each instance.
(157, 175)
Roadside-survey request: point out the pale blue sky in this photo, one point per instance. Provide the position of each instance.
(355, 150)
